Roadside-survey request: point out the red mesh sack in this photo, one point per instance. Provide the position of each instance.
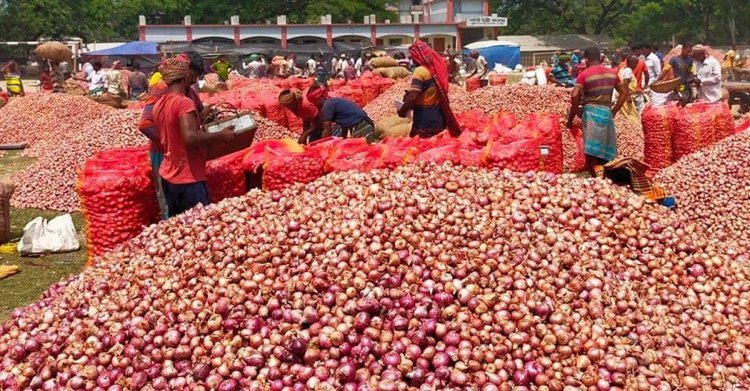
(579, 160)
(498, 80)
(359, 159)
(323, 147)
(548, 128)
(441, 153)
(252, 102)
(116, 204)
(275, 112)
(472, 157)
(742, 126)
(255, 156)
(335, 84)
(384, 84)
(501, 122)
(294, 123)
(135, 154)
(723, 121)
(225, 177)
(283, 168)
(521, 156)
(658, 125)
(473, 83)
(687, 137)
(397, 155)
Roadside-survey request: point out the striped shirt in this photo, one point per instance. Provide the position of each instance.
(598, 83)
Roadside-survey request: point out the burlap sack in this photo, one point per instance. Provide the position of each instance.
(393, 126)
(383, 62)
(6, 191)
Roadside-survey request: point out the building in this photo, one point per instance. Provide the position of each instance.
(538, 48)
(445, 24)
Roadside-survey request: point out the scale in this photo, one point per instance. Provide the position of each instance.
(242, 122)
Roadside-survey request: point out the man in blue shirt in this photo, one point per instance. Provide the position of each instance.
(561, 72)
(343, 112)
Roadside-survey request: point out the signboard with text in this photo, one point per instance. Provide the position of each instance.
(487, 21)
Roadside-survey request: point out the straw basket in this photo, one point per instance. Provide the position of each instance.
(666, 86)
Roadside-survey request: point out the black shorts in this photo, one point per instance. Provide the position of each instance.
(184, 196)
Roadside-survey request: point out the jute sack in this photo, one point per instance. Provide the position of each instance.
(6, 191)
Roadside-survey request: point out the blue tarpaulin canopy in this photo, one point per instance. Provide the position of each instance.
(135, 48)
(497, 52)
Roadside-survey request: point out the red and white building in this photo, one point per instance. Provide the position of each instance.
(445, 24)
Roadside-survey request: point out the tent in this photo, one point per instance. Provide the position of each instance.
(135, 48)
(146, 54)
(497, 52)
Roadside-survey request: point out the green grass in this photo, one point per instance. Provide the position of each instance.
(35, 274)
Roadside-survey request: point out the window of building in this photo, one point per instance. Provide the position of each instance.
(457, 7)
(396, 42)
(416, 2)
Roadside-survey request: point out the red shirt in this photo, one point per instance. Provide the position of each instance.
(598, 82)
(306, 110)
(181, 164)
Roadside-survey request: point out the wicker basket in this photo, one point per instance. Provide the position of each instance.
(666, 86)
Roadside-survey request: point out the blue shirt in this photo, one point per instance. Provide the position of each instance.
(560, 72)
(343, 112)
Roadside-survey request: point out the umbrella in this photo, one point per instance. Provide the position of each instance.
(54, 51)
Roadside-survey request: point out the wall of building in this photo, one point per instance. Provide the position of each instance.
(438, 12)
(468, 8)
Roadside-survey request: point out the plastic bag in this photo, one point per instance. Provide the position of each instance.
(43, 237)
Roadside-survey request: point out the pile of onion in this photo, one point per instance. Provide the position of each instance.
(425, 277)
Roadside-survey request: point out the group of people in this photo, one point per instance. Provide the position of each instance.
(634, 71)
(426, 99)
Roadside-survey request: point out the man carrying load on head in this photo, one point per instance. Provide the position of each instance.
(185, 146)
(312, 128)
(593, 91)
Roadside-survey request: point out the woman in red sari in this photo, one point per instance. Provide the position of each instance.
(428, 94)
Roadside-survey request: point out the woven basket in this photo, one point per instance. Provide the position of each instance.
(666, 86)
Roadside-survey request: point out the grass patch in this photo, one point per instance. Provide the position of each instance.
(13, 162)
(35, 274)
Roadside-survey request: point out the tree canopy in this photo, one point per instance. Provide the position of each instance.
(720, 22)
(648, 21)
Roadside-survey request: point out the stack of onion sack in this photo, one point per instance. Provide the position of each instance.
(421, 278)
(700, 125)
(283, 163)
(659, 123)
(226, 178)
(118, 198)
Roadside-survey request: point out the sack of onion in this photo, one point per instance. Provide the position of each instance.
(118, 199)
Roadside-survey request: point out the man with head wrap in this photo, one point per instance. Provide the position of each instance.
(707, 75)
(185, 145)
(311, 126)
(114, 78)
(427, 95)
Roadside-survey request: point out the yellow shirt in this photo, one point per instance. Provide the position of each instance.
(423, 82)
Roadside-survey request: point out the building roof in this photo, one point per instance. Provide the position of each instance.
(550, 43)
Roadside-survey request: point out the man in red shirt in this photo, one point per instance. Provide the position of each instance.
(185, 146)
(312, 128)
(593, 91)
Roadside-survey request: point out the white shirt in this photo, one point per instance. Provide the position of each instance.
(482, 70)
(97, 80)
(358, 66)
(653, 64)
(311, 64)
(709, 73)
